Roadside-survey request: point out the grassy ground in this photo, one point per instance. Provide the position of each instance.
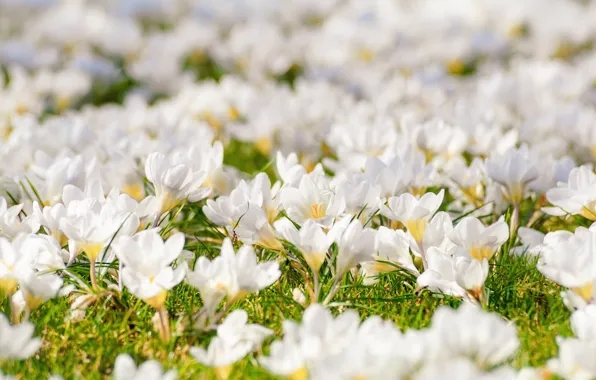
(88, 348)
(114, 325)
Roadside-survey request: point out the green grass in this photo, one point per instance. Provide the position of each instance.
(88, 348)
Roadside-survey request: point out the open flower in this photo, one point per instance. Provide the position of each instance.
(174, 183)
(412, 212)
(310, 240)
(514, 170)
(355, 244)
(235, 274)
(480, 241)
(126, 369)
(147, 259)
(576, 196)
(17, 342)
(312, 199)
(392, 249)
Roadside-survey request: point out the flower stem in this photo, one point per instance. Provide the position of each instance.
(316, 286)
(333, 291)
(93, 274)
(514, 221)
(164, 319)
(156, 220)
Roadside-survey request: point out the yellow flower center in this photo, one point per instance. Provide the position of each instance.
(317, 211)
(32, 302)
(62, 103)
(416, 228)
(233, 113)
(210, 119)
(589, 211)
(92, 250)
(584, 292)
(134, 190)
(365, 55)
(314, 260)
(223, 372)
(158, 301)
(8, 286)
(480, 253)
(264, 145)
(299, 374)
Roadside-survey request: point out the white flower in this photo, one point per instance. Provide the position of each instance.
(254, 228)
(312, 242)
(147, 259)
(174, 183)
(13, 267)
(514, 170)
(355, 245)
(312, 199)
(13, 222)
(480, 241)
(222, 354)
(472, 333)
(568, 259)
(37, 288)
(412, 212)
(576, 196)
(288, 169)
(583, 323)
(235, 329)
(575, 360)
(531, 241)
(126, 369)
(440, 275)
(17, 342)
(471, 274)
(51, 174)
(235, 274)
(392, 251)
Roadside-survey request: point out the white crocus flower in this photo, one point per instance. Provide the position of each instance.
(481, 242)
(514, 170)
(576, 196)
(312, 242)
(50, 175)
(13, 267)
(125, 368)
(575, 360)
(253, 228)
(37, 288)
(174, 182)
(355, 244)
(235, 274)
(583, 323)
(288, 169)
(147, 260)
(413, 213)
(17, 342)
(14, 222)
(222, 354)
(91, 226)
(471, 275)
(312, 199)
(50, 217)
(147, 270)
(568, 259)
(392, 249)
(235, 329)
(471, 332)
(440, 275)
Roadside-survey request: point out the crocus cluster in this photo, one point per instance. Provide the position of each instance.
(237, 151)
